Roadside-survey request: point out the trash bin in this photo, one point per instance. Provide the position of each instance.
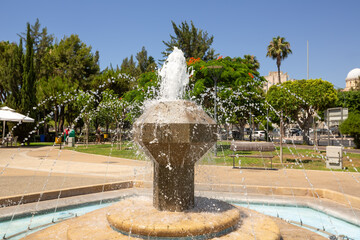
(334, 157)
(42, 137)
(58, 140)
(71, 142)
(106, 135)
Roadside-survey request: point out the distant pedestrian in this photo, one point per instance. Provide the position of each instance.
(66, 134)
(98, 135)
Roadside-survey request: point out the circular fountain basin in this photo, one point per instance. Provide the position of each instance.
(234, 223)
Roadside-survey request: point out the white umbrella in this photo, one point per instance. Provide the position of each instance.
(9, 115)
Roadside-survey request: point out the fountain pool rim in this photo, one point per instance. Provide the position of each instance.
(236, 198)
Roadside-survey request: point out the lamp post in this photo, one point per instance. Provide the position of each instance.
(267, 115)
(215, 78)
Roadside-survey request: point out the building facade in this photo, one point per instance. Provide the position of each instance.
(352, 80)
(273, 79)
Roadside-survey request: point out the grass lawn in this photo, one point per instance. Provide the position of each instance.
(128, 150)
(295, 158)
(40, 144)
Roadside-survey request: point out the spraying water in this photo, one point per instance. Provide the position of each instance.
(174, 76)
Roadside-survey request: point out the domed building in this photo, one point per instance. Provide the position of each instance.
(352, 79)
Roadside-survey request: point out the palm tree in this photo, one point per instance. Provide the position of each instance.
(251, 59)
(278, 50)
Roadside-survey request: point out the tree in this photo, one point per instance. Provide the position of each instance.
(115, 80)
(51, 91)
(128, 66)
(351, 126)
(239, 90)
(73, 61)
(252, 62)
(146, 88)
(16, 81)
(192, 41)
(301, 100)
(42, 42)
(278, 50)
(350, 100)
(145, 63)
(86, 104)
(11, 73)
(115, 109)
(28, 90)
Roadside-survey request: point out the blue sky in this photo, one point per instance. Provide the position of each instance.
(118, 29)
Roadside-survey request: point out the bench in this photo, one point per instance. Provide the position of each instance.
(252, 146)
(7, 140)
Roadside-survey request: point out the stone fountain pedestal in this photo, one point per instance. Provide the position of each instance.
(174, 134)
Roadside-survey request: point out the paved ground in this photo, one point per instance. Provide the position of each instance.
(25, 170)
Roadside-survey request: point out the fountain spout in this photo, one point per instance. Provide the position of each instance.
(174, 134)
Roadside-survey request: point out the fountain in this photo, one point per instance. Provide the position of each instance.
(174, 133)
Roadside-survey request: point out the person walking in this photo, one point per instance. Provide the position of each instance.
(98, 135)
(66, 134)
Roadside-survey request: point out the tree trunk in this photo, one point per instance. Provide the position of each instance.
(45, 123)
(304, 137)
(120, 138)
(86, 133)
(62, 118)
(241, 127)
(118, 135)
(55, 122)
(315, 134)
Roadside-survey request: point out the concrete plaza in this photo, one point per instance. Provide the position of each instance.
(26, 170)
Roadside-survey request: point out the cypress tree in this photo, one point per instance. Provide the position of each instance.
(28, 88)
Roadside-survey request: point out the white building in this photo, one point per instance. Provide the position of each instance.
(352, 79)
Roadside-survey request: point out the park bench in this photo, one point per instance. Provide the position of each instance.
(252, 146)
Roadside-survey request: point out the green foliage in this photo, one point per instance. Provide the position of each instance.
(28, 92)
(112, 108)
(145, 63)
(128, 66)
(11, 71)
(192, 41)
(252, 62)
(42, 44)
(278, 50)
(73, 61)
(350, 100)
(86, 103)
(238, 89)
(146, 88)
(115, 80)
(300, 99)
(351, 126)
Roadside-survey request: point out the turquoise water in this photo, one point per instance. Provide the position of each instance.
(307, 216)
(310, 217)
(22, 224)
